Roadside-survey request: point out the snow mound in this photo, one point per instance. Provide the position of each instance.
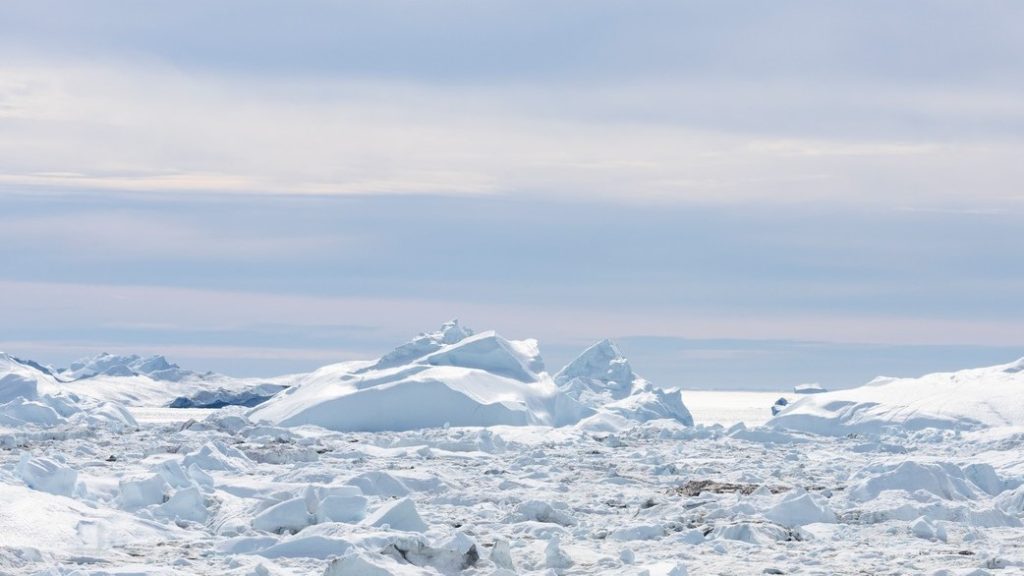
(60, 525)
(398, 515)
(1012, 501)
(968, 399)
(757, 533)
(945, 480)
(798, 508)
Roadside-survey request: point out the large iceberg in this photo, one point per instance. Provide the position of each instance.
(459, 378)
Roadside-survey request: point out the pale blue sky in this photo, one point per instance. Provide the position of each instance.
(745, 194)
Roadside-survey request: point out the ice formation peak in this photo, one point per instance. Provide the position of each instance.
(602, 362)
(451, 332)
(601, 374)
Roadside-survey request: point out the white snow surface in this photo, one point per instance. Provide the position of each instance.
(969, 399)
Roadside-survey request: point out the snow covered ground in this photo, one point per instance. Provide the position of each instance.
(593, 470)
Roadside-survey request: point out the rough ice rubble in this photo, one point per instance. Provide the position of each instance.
(969, 399)
(455, 377)
(487, 505)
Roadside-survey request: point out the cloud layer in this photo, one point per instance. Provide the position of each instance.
(694, 103)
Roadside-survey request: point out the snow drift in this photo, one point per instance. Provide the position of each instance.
(968, 399)
(459, 378)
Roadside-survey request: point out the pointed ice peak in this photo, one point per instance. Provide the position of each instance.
(451, 332)
(153, 364)
(602, 362)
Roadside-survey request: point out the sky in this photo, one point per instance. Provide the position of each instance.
(742, 194)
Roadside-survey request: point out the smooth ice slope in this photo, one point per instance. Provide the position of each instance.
(968, 399)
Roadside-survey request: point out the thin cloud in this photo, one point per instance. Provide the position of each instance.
(150, 129)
